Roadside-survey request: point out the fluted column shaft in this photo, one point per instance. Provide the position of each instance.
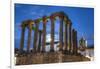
(29, 37)
(52, 35)
(76, 42)
(61, 34)
(35, 37)
(39, 44)
(70, 38)
(44, 34)
(22, 39)
(74, 34)
(66, 36)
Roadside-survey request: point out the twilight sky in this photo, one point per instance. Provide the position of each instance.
(82, 20)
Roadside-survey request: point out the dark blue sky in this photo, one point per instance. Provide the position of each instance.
(82, 19)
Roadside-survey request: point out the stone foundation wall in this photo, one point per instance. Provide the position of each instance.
(43, 58)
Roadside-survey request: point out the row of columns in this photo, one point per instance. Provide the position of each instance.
(70, 36)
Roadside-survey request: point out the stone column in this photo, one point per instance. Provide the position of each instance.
(66, 36)
(70, 38)
(22, 38)
(29, 36)
(75, 46)
(44, 34)
(35, 36)
(74, 41)
(52, 34)
(39, 42)
(61, 33)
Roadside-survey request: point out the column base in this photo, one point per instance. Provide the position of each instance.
(51, 50)
(34, 51)
(39, 51)
(60, 49)
(21, 52)
(75, 53)
(43, 51)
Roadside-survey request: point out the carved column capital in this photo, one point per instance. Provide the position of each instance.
(69, 23)
(44, 19)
